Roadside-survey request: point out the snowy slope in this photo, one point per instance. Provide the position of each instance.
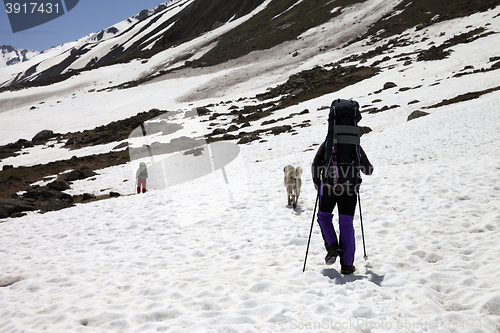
(206, 256)
(94, 46)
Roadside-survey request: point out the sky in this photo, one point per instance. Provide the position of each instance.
(87, 17)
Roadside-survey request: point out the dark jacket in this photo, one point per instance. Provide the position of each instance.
(318, 166)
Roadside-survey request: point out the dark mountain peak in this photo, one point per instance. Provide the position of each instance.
(7, 49)
(10, 55)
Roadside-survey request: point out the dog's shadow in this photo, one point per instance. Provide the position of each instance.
(297, 211)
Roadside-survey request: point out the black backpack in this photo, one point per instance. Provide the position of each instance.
(342, 151)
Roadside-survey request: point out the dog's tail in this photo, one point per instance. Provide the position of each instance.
(298, 172)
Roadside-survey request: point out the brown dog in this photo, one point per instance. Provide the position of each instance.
(293, 182)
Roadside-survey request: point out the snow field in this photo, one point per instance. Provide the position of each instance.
(200, 257)
(185, 260)
(191, 258)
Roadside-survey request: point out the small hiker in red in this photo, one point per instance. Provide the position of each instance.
(141, 175)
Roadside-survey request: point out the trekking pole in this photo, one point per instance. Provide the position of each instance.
(310, 232)
(362, 229)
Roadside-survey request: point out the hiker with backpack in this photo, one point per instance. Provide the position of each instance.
(141, 175)
(336, 176)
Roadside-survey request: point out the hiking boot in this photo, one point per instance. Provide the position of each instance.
(347, 269)
(333, 252)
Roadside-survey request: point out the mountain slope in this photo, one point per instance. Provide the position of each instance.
(167, 24)
(222, 252)
(174, 22)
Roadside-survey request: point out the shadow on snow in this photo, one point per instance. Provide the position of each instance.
(341, 279)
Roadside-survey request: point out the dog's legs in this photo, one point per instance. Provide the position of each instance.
(297, 194)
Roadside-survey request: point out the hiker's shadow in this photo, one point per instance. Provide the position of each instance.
(341, 279)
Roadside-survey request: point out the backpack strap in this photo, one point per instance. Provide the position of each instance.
(347, 134)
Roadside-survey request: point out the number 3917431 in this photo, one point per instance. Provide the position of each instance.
(32, 8)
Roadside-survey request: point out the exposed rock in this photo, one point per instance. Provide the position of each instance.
(281, 129)
(269, 122)
(87, 196)
(218, 131)
(121, 146)
(214, 116)
(200, 111)
(417, 114)
(248, 139)
(364, 130)
(54, 205)
(42, 137)
(45, 193)
(194, 152)
(384, 108)
(389, 85)
(59, 185)
(20, 144)
(9, 206)
(228, 137)
(79, 174)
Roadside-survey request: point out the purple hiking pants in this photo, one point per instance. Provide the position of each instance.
(346, 207)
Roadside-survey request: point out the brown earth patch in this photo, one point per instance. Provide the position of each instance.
(18, 179)
(317, 82)
(423, 13)
(443, 51)
(463, 98)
